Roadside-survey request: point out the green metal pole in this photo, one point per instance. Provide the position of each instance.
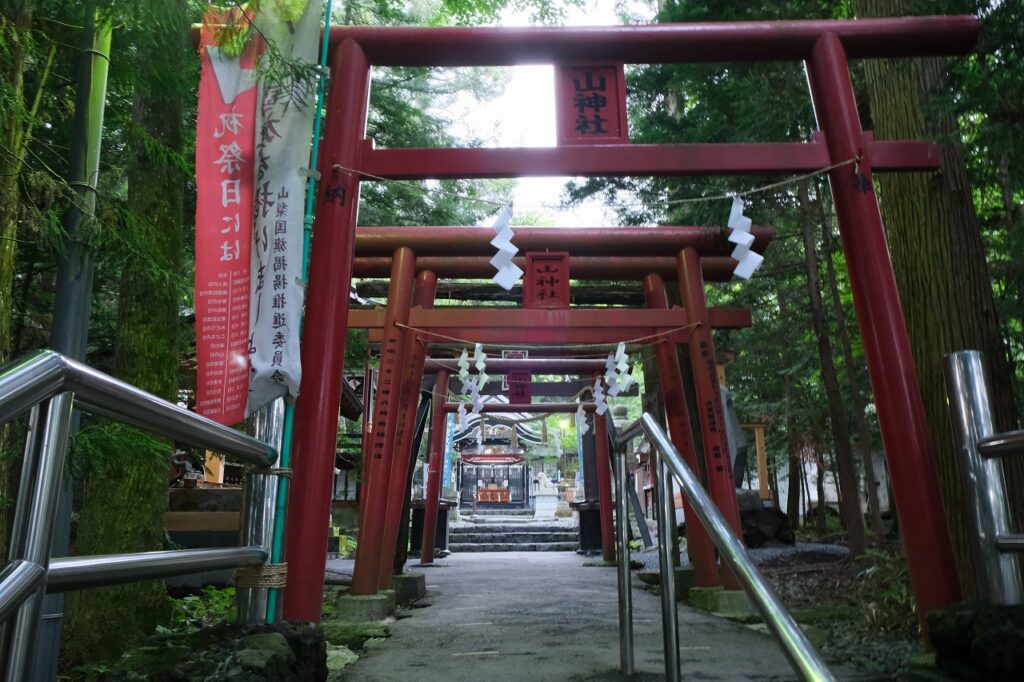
(75, 270)
(277, 541)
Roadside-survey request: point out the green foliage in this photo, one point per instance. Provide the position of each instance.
(119, 468)
(990, 90)
(103, 448)
(773, 368)
(885, 591)
(346, 546)
(193, 612)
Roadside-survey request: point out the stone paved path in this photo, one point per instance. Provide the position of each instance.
(540, 617)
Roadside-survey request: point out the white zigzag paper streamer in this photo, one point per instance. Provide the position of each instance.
(476, 401)
(480, 362)
(464, 366)
(748, 261)
(462, 416)
(618, 374)
(599, 401)
(581, 420)
(508, 272)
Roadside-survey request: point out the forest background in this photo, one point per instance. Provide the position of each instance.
(956, 236)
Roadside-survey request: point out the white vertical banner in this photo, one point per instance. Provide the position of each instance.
(284, 125)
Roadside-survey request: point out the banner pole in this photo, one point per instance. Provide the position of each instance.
(277, 541)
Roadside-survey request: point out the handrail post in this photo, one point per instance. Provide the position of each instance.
(259, 504)
(997, 574)
(669, 625)
(801, 654)
(34, 545)
(626, 659)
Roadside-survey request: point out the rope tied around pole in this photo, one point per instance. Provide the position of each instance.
(273, 576)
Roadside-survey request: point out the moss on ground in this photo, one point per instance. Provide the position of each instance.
(352, 635)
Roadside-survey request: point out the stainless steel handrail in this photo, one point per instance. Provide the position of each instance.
(46, 373)
(795, 645)
(76, 573)
(997, 572)
(49, 385)
(17, 583)
(627, 663)
(1002, 444)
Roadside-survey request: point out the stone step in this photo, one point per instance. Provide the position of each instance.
(512, 547)
(501, 512)
(515, 537)
(511, 528)
(492, 520)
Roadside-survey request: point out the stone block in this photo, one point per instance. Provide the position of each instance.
(392, 600)
(362, 608)
(732, 604)
(703, 598)
(649, 577)
(339, 656)
(545, 505)
(686, 579)
(409, 587)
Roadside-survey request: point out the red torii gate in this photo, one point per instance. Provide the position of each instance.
(825, 46)
(664, 326)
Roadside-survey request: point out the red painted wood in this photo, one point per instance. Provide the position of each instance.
(323, 339)
(677, 413)
(618, 323)
(901, 417)
(604, 487)
(415, 356)
(590, 104)
(756, 41)
(617, 242)
(379, 470)
(715, 268)
(636, 159)
(435, 460)
(538, 408)
(519, 387)
(710, 413)
(546, 280)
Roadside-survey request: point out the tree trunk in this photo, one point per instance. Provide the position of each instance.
(848, 485)
(13, 31)
(856, 397)
(821, 511)
(123, 504)
(939, 260)
(793, 447)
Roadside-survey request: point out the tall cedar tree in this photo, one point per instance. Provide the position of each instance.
(122, 504)
(938, 255)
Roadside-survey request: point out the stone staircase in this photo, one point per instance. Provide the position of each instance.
(512, 534)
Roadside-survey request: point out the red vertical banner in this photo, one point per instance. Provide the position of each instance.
(225, 141)
(590, 104)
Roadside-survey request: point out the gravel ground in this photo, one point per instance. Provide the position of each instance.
(763, 555)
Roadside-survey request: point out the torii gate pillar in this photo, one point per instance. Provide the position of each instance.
(901, 417)
(323, 339)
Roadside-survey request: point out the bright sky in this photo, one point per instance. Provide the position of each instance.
(524, 116)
